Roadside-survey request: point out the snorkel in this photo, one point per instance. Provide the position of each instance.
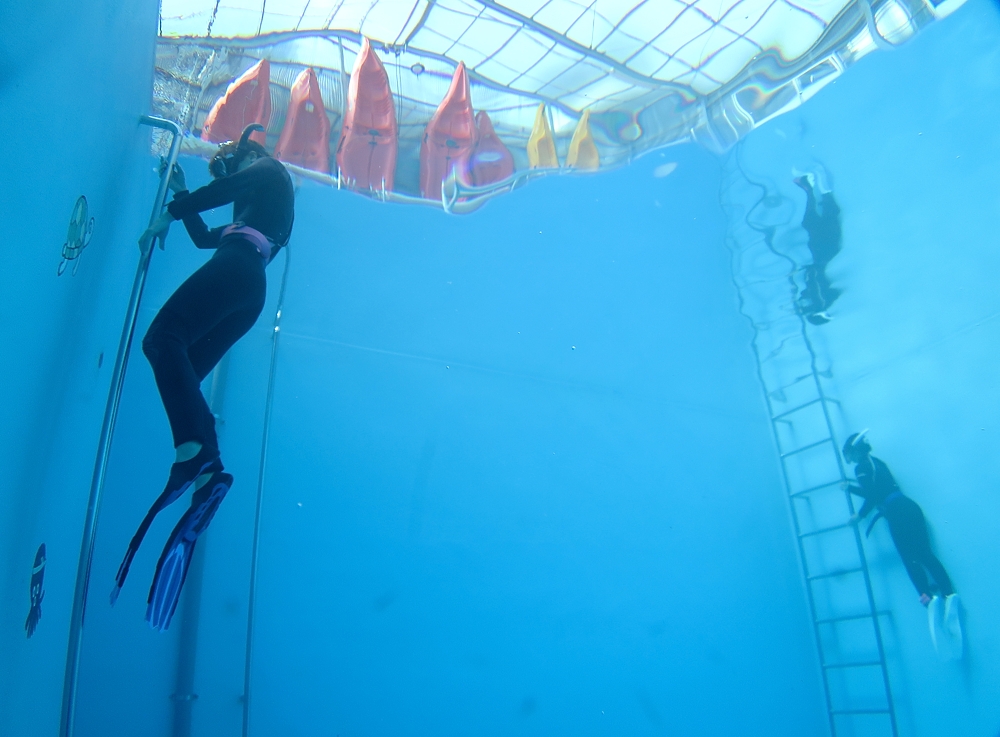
(856, 447)
(229, 156)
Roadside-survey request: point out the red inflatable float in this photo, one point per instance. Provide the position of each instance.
(247, 100)
(449, 137)
(490, 161)
(305, 139)
(366, 154)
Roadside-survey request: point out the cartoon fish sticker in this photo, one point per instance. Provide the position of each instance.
(36, 592)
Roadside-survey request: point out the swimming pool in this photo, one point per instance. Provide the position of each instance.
(526, 470)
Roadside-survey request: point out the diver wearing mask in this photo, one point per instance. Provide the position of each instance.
(908, 528)
(202, 320)
(905, 517)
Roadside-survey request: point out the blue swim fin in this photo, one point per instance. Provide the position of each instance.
(172, 568)
(182, 476)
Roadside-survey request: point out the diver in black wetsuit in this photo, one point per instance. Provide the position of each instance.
(906, 520)
(822, 222)
(202, 320)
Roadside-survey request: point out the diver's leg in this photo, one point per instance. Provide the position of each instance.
(245, 271)
(224, 286)
(832, 294)
(829, 206)
(201, 303)
(827, 293)
(909, 533)
(206, 353)
(231, 282)
(810, 297)
(209, 350)
(917, 575)
(166, 347)
(938, 573)
(811, 217)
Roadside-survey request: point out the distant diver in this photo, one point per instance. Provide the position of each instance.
(202, 320)
(908, 528)
(822, 222)
(36, 592)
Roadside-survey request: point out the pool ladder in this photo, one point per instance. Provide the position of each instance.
(846, 622)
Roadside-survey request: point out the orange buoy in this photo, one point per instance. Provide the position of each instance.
(449, 137)
(247, 100)
(305, 139)
(490, 161)
(366, 154)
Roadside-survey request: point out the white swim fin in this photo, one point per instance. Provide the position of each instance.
(807, 176)
(934, 624)
(823, 184)
(953, 624)
(816, 177)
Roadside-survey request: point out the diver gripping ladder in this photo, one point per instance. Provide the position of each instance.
(104, 444)
(846, 622)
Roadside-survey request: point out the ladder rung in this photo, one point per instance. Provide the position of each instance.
(834, 574)
(856, 664)
(796, 409)
(825, 529)
(816, 488)
(859, 711)
(850, 618)
(794, 382)
(806, 447)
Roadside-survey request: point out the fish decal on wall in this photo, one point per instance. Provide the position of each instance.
(81, 228)
(36, 592)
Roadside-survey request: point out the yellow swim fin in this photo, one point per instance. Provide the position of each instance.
(541, 143)
(583, 152)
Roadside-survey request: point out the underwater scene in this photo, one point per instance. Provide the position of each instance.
(517, 367)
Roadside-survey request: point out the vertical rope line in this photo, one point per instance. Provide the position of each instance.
(263, 9)
(255, 552)
(211, 21)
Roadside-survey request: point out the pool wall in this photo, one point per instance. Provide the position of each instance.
(911, 141)
(73, 82)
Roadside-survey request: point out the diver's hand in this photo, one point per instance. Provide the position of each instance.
(159, 228)
(177, 182)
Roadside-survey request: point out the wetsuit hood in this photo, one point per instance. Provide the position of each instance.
(856, 446)
(227, 159)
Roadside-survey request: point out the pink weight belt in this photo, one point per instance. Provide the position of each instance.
(260, 241)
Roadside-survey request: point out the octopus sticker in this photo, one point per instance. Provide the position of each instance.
(36, 592)
(77, 236)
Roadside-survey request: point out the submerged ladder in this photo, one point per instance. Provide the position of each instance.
(846, 621)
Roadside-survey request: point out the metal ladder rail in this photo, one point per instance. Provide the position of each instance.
(873, 614)
(88, 538)
(824, 401)
(810, 596)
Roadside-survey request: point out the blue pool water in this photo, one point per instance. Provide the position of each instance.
(521, 476)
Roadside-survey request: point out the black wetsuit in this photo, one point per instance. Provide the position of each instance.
(906, 523)
(221, 301)
(822, 223)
